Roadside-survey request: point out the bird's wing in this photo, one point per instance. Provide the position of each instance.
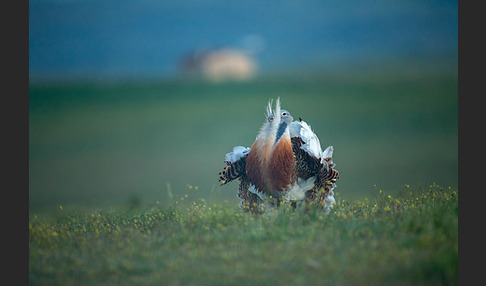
(306, 165)
(302, 130)
(310, 158)
(235, 165)
(238, 152)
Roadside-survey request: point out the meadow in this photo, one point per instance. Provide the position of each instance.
(107, 143)
(405, 239)
(123, 182)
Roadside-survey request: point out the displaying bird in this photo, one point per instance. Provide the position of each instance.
(285, 164)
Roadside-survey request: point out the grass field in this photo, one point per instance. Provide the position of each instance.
(409, 238)
(111, 143)
(123, 183)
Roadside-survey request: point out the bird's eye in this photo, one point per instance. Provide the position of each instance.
(270, 119)
(284, 113)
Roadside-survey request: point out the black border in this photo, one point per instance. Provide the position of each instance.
(15, 139)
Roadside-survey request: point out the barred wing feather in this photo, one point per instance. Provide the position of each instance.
(235, 165)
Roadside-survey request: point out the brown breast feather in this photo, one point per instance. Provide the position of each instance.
(254, 167)
(282, 165)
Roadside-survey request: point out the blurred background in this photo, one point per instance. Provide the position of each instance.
(133, 102)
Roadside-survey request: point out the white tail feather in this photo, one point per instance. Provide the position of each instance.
(328, 152)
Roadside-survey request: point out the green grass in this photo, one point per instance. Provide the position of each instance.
(405, 238)
(103, 143)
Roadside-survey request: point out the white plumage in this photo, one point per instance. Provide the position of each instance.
(303, 130)
(237, 153)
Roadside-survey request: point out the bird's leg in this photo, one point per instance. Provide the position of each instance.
(293, 205)
(311, 196)
(249, 201)
(244, 195)
(322, 196)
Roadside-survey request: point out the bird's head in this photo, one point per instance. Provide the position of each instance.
(273, 116)
(270, 118)
(286, 117)
(278, 115)
(277, 121)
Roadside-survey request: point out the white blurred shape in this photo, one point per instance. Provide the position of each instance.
(220, 65)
